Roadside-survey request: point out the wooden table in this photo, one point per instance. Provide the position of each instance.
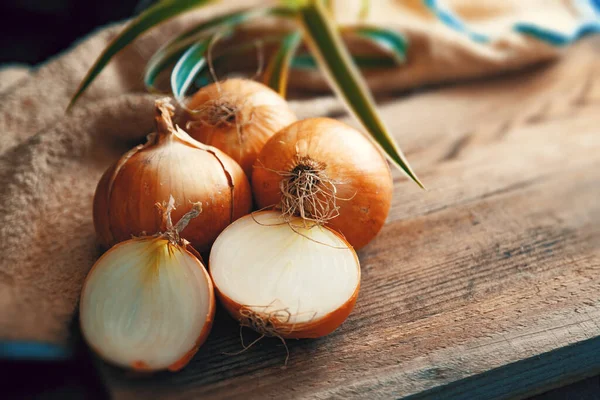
(485, 286)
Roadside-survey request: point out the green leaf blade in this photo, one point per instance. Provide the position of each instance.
(328, 48)
(188, 66)
(153, 16)
(159, 62)
(392, 43)
(174, 49)
(276, 75)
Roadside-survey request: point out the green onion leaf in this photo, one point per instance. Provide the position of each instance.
(276, 75)
(393, 43)
(174, 49)
(326, 44)
(188, 67)
(153, 16)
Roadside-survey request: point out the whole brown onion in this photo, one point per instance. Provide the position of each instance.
(237, 116)
(326, 172)
(170, 163)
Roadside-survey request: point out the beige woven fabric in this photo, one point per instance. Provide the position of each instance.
(50, 162)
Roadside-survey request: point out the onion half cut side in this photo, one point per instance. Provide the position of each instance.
(147, 304)
(285, 279)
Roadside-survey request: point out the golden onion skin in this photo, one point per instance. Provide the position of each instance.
(257, 113)
(348, 159)
(170, 164)
(309, 330)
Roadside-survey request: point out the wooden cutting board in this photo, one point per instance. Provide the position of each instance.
(487, 285)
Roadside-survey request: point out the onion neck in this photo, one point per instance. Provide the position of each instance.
(165, 128)
(218, 113)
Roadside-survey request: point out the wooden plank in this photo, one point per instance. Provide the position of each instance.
(529, 376)
(493, 270)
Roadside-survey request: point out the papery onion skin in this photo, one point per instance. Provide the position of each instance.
(322, 326)
(359, 172)
(141, 365)
(309, 330)
(258, 113)
(100, 209)
(171, 163)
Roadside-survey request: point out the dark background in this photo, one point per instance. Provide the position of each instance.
(31, 31)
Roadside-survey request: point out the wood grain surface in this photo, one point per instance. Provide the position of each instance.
(487, 285)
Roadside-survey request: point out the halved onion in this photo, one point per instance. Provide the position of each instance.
(147, 304)
(283, 278)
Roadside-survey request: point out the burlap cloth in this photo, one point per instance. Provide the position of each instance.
(50, 162)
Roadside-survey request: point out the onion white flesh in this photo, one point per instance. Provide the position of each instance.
(304, 281)
(147, 304)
